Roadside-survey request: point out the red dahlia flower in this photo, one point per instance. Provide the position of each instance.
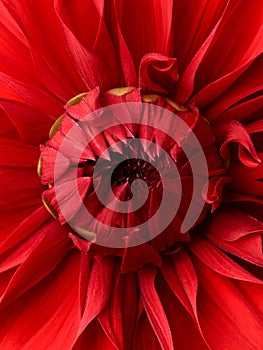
(61, 287)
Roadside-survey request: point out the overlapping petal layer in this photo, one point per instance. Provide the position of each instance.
(53, 294)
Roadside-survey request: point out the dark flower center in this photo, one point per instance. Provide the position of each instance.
(134, 169)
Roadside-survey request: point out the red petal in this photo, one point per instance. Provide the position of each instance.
(247, 180)
(74, 15)
(119, 317)
(15, 154)
(31, 124)
(248, 84)
(94, 338)
(20, 188)
(233, 131)
(185, 86)
(219, 262)
(114, 23)
(253, 293)
(95, 40)
(32, 97)
(67, 198)
(21, 251)
(229, 224)
(111, 317)
(48, 312)
(192, 27)
(43, 254)
(229, 317)
(248, 248)
(255, 126)
(134, 258)
(244, 111)
(88, 57)
(12, 41)
(138, 20)
(180, 275)
(180, 321)
(227, 63)
(7, 128)
(158, 74)
(5, 278)
(154, 308)
(50, 56)
(23, 228)
(215, 189)
(131, 293)
(145, 338)
(249, 204)
(98, 290)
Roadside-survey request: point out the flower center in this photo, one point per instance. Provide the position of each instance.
(133, 169)
(134, 181)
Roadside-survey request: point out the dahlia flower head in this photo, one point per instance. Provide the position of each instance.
(131, 149)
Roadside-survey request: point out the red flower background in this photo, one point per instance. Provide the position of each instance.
(205, 55)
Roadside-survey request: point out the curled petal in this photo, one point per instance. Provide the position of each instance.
(233, 131)
(158, 74)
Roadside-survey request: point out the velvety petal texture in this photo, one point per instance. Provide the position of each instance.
(203, 61)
